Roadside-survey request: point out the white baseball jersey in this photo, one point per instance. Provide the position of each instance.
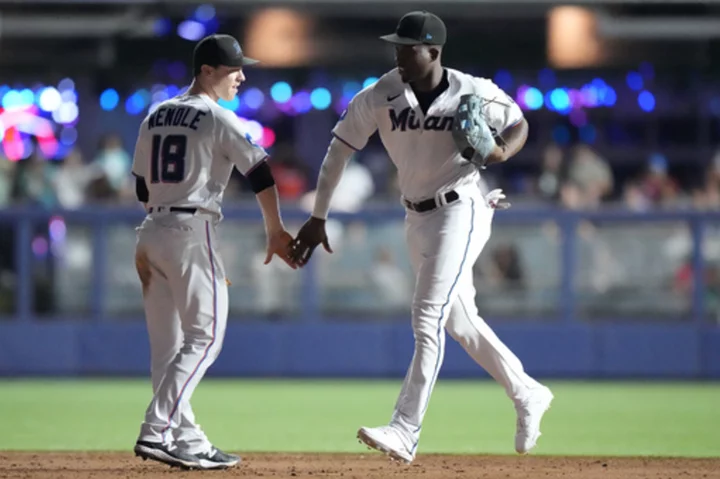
(421, 146)
(186, 150)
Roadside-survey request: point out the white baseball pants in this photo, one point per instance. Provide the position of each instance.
(444, 244)
(186, 308)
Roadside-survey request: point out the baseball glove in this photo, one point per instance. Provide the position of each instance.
(471, 133)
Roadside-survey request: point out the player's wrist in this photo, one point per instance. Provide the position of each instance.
(274, 227)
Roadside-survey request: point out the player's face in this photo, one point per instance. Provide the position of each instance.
(413, 61)
(227, 80)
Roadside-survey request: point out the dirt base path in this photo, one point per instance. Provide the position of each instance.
(356, 466)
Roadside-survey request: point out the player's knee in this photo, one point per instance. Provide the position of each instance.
(426, 332)
(198, 341)
(458, 332)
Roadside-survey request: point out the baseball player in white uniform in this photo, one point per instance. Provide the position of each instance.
(184, 156)
(448, 221)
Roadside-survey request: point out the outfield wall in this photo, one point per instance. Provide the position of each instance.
(366, 350)
(610, 303)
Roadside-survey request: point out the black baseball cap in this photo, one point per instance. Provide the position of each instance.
(418, 28)
(216, 50)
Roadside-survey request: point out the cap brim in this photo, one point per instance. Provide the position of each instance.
(397, 40)
(241, 62)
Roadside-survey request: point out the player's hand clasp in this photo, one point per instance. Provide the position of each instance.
(309, 237)
(279, 243)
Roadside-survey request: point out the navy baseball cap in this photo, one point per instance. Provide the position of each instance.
(216, 50)
(418, 28)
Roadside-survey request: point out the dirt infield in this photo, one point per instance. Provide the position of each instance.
(360, 466)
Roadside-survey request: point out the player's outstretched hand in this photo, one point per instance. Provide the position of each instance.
(279, 244)
(309, 237)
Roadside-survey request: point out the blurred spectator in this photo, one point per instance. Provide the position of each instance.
(71, 180)
(356, 186)
(115, 164)
(33, 181)
(506, 270)
(707, 196)
(289, 173)
(552, 174)
(7, 178)
(572, 196)
(683, 282)
(591, 174)
(634, 197)
(392, 286)
(657, 186)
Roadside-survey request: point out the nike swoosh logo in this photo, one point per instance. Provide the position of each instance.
(391, 98)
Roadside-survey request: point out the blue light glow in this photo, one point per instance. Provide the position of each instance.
(12, 99)
(231, 105)
(320, 98)
(301, 102)
(560, 100)
(646, 100)
(66, 84)
(191, 30)
(533, 98)
(109, 99)
(253, 98)
(162, 27)
(351, 88)
(281, 92)
(609, 97)
(503, 79)
(369, 81)
(634, 80)
(135, 103)
(205, 13)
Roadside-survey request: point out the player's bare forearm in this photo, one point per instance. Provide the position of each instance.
(511, 142)
(270, 206)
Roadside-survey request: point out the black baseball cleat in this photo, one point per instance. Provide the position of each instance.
(166, 454)
(216, 459)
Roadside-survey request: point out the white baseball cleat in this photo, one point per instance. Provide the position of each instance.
(388, 440)
(530, 412)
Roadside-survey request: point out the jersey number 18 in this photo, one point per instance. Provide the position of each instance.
(167, 164)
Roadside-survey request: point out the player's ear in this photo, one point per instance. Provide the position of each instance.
(434, 53)
(206, 70)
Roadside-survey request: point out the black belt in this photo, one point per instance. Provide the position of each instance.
(430, 204)
(173, 209)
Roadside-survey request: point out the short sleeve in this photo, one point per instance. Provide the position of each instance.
(141, 157)
(357, 123)
(501, 111)
(236, 144)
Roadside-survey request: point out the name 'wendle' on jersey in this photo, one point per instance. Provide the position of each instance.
(177, 116)
(407, 119)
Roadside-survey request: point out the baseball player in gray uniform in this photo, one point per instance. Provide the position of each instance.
(185, 153)
(414, 108)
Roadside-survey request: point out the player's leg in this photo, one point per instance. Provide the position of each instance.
(444, 244)
(165, 335)
(201, 296)
(531, 398)
(161, 316)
